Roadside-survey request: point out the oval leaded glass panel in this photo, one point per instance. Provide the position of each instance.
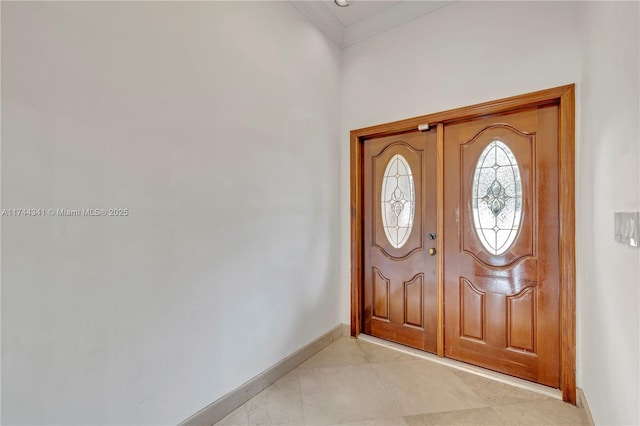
(397, 201)
(497, 198)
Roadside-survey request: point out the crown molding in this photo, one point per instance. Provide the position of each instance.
(387, 19)
(377, 23)
(322, 18)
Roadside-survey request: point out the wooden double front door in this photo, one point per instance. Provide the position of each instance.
(496, 301)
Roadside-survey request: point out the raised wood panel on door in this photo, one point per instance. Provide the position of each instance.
(400, 284)
(503, 311)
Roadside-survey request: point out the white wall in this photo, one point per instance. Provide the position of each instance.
(464, 53)
(609, 181)
(215, 124)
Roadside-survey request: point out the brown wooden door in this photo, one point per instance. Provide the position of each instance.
(501, 224)
(400, 280)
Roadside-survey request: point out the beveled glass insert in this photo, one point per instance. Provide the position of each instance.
(497, 198)
(397, 201)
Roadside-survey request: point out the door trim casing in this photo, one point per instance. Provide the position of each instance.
(564, 96)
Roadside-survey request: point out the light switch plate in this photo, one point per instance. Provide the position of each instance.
(627, 228)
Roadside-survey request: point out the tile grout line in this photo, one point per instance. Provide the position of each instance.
(304, 417)
(370, 363)
(386, 391)
(391, 396)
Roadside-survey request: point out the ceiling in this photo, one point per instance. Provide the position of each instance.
(357, 10)
(363, 18)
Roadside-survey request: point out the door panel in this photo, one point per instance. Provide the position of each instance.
(501, 243)
(400, 281)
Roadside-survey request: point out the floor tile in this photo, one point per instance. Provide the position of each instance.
(344, 351)
(474, 416)
(551, 412)
(421, 387)
(495, 393)
(335, 395)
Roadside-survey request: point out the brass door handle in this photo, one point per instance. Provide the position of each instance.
(432, 251)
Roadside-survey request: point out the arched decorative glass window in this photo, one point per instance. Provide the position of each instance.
(397, 201)
(497, 198)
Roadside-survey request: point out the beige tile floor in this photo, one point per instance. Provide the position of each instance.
(353, 382)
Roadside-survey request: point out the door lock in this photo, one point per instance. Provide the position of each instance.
(432, 236)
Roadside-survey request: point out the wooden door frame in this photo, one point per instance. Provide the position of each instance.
(564, 96)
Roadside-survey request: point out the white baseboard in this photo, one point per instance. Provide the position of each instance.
(218, 409)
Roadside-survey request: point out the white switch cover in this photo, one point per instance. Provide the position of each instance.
(627, 228)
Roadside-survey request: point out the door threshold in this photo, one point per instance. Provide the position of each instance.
(478, 371)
